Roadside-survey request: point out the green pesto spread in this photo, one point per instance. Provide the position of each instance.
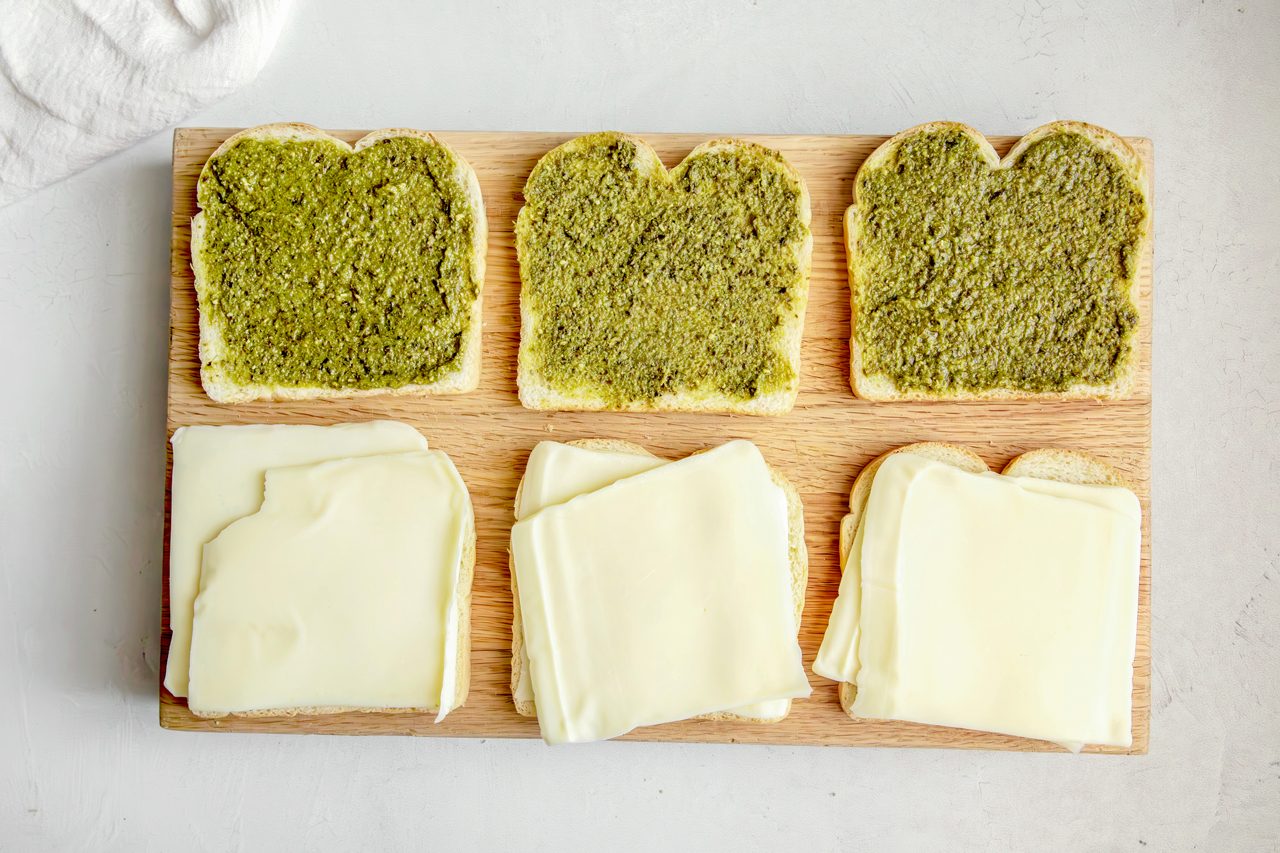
(646, 283)
(338, 269)
(973, 279)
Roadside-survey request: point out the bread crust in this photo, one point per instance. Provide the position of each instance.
(536, 393)
(1067, 466)
(797, 551)
(462, 658)
(883, 389)
(465, 377)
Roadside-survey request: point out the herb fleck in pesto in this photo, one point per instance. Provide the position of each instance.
(647, 283)
(339, 269)
(974, 279)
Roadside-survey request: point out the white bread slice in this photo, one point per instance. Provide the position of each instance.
(1065, 466)
(221, 389)
(462, 642)
(537, 393)
(883, 388)
(798, 553)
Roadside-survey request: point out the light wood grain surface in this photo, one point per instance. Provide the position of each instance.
(820, 446)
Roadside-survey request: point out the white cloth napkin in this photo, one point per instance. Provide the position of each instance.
(81, 79)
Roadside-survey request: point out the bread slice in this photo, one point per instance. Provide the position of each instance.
(883, 388)
(538, 392)
(462, 659)
(223, 389)
(798, 553)
(1066, 466)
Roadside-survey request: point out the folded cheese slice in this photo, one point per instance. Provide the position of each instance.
(980, 601)
(342, 592)
(659, 597)
(218, 477)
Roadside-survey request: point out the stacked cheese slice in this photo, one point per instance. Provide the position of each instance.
(650, 591)
(315, 569)
(989, 602)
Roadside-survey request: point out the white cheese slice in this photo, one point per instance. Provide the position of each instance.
(837, 657)
(340, 592)
(1003, 604)
(217, 478)
(660, 597)
(558, 472)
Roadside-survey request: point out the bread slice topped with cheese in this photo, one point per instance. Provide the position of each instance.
(219, 475)
(321, 584)
(644, 289)
(324, 269)
(996, 602)
(979, 278)
(649, 591)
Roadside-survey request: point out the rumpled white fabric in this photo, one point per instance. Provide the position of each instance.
(82, 79)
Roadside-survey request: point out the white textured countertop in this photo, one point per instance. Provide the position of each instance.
(83, 330)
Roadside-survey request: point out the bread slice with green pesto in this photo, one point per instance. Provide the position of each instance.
(799, 573)
(1064, 466)
(979, 278)
(643, 289)
(324, 269)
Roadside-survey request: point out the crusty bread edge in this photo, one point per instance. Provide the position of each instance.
(535, 393)
(883, 389)
(1071, 466)
(462, 641)
(797, 552)
(465, 377)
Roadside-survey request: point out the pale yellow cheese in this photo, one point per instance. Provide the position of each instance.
(837, 657)
(558, 472)
(1004, 604)
(340, 592)
(217, 478)
(660, 597)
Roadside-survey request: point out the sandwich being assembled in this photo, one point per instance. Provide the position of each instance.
(329, 270)
(974, 277)
(649, 591)
(318, 569)
(646, 290)
(997, 602)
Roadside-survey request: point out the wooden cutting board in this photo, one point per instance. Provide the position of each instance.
(820, 446)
